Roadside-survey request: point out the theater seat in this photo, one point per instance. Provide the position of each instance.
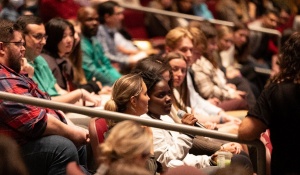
(97, 129)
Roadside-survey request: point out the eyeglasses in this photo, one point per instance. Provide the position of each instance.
(17, 43)
(39, 37)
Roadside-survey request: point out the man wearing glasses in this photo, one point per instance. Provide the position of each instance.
(35, 38)
(46, 138)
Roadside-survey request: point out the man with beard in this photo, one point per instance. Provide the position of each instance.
(35, 38)
(95, 64)
(47, 140)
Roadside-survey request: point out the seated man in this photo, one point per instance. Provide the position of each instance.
(95, 64)
(121, 51)
(35, 38)
(48, 141)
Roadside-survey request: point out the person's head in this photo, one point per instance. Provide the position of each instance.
(123, 167)
(240, 34)
(154, 64)
(180, 40)
(12, 48)
(225, 37)
(167, 4)
(34, 35)
(178, 65)
(284, 14)
(270, 18)
(160, 94)
(60, 37)
(210, 33)
(200, 41)
(129, 95)
(185, 6)
(289, 60)
(11, 161)
(127, 141)
(111, 14)
(233, 170)
(88, 18)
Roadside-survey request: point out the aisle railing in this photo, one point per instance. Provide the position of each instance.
(261, 158)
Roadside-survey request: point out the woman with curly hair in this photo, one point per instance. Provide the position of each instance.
(277, 109)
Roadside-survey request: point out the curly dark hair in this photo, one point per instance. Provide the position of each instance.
(289, 61)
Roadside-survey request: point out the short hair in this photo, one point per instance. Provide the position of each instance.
(175, 35)
(126, 141)
(123, 89)
(55, 29)
(7, 29)
(128, 168)
(104, 8)
(24, 20)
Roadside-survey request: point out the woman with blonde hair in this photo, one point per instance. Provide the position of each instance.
(129, 96)
(127, 141)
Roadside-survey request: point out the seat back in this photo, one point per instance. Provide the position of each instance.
(97, 129)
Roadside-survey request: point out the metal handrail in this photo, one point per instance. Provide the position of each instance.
(261, 159)
(139, 7)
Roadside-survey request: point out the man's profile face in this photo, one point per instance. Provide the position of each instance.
(115, 20)
(35, 39)
(14, 50)
(185, 47)
(89, 23)
(270, 21)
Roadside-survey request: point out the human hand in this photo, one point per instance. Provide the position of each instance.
(26, 67)
(189, 119)
(214, 101)
(228, 118)
(232, 147)
(87, 96)
(79, 136)
(210, 125)
(106, 90)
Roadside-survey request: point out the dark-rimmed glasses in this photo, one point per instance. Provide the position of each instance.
(39, 37)
(17, 43)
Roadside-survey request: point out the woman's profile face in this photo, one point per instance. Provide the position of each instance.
(226, 42)
(142, 101)
(179, 69)
(160, 99)
(66, 43)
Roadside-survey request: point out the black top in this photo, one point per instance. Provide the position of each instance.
(279, 108)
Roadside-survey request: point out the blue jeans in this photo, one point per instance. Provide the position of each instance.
(50, 155)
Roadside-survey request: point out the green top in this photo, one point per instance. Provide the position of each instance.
(95, 64)
(43, 76)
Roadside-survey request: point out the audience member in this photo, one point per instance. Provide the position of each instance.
(236, 11)
(48, 141)
(278, 101)
(117, 48)
(35, 38)
(129, 96)
(263, 45)
(200, 9)
(75, 57)
(159, 25)
(95, 64)
(180, 170)
(211, 81)
(168, 150)
(233, 170)
(11, 9)
(127, 141)
(11, 160)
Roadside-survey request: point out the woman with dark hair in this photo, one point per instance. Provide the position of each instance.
(277, 109)
(60, 47)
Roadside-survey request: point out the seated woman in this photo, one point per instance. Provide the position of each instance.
(210, 80)
(59, 47)
(129, 96)
(127, 141)
(201, 145)
(172, 149)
